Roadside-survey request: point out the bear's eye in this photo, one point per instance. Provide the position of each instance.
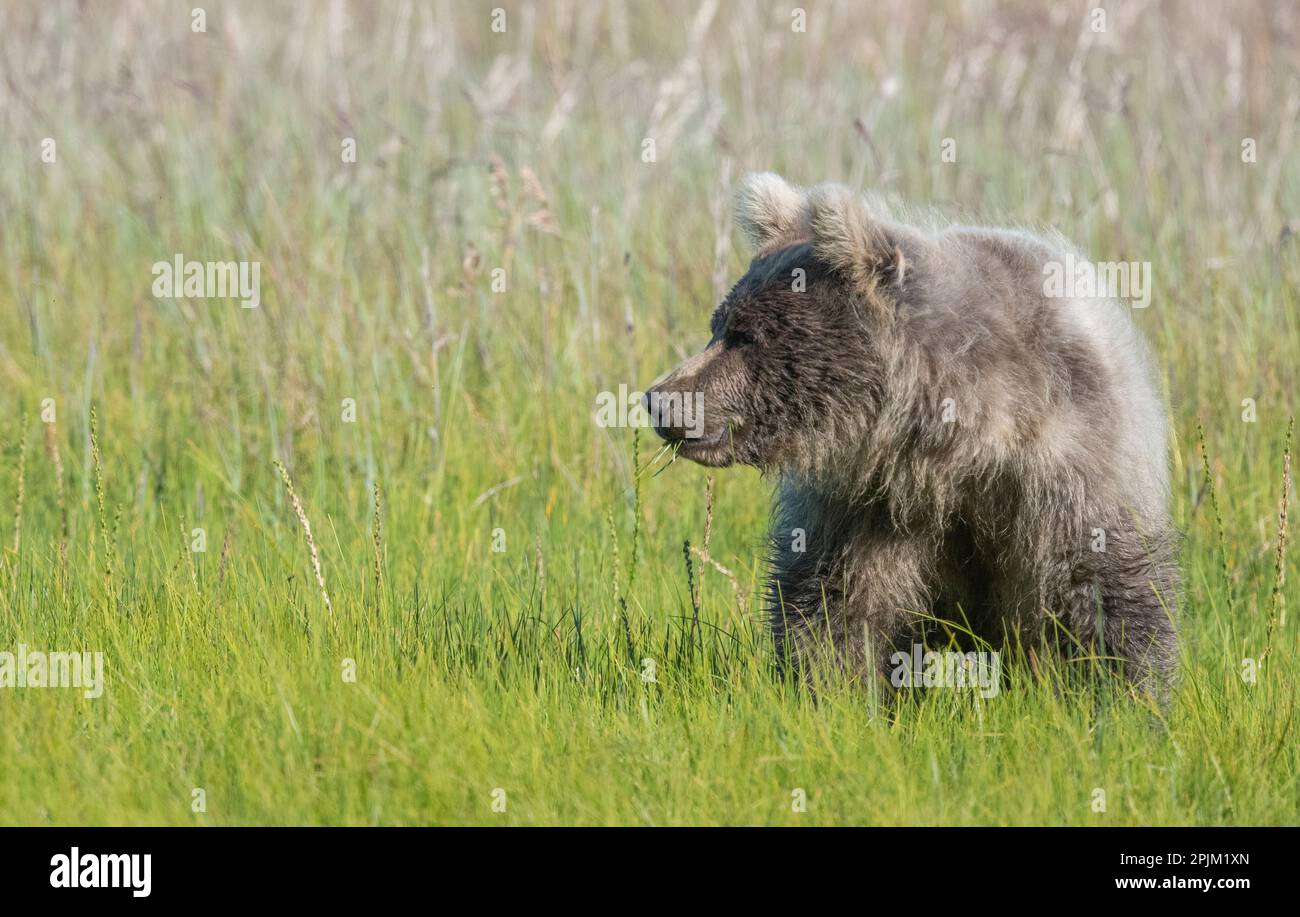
(738, 337)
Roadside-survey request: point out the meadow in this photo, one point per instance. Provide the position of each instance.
(362, 555)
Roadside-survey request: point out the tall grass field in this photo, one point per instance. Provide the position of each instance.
(363, 552)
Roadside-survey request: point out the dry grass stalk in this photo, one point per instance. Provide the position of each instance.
(306, 528)
(56, 459)
(22, 485)
(702, 552)
(613, 540)
(225, 557)
(540, 560)
(1218, 516)
(97, 461)
(1277, 612)
(376, 534)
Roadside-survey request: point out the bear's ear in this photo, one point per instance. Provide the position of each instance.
(850, 240)
(769, 208)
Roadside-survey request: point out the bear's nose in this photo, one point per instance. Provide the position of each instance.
(665, 421)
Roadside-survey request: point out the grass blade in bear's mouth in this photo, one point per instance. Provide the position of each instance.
(675, 448)
(709, 441)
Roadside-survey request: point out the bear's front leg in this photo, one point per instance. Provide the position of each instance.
(848, 606)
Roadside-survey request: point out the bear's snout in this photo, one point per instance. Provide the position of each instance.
(676, 412)
(696, 408)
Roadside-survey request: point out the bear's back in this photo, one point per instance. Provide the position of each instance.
(1073, 369)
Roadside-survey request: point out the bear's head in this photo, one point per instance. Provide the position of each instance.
(794, 360)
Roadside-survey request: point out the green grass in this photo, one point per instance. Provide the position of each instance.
(522, 670)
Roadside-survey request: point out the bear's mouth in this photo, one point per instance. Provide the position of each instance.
(714, 448)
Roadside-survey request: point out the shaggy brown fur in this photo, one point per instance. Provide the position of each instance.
(949, 440)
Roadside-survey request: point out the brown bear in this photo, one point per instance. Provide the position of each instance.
(951, 439)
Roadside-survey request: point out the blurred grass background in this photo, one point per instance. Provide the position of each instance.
(522, 151)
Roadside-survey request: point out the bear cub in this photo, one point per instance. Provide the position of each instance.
(949, 441)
